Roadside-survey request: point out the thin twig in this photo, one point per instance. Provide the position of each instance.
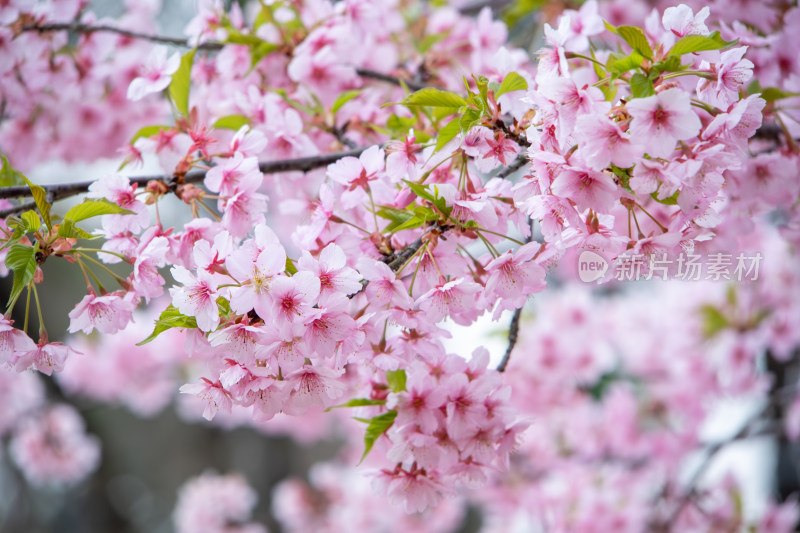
(90, 28)
(711, 451)
(66, 190)
(517, 164)
(175, 41)
(367, 73)
(513, 333)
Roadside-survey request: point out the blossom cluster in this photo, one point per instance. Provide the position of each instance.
(306, 282)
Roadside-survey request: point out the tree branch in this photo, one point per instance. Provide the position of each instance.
(66, 190)
(367, 73)
(175, 41)
(518, 163)
(513, 333)
(88, 28)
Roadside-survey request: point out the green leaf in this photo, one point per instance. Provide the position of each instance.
(181, 83)
(669, 200)
(399, 218)
(290, 268)
(170, 318)
(448, 133)
(21, 259)
(713, 320)
(259, 52)
(619, 64)
(393, 214)
(343, 99)
(512, 82)
(396, 380)
(411, 223)
(482, 83)
(771, 94)
(699, 43)
(430, 97)
(670, 64)
(641, 85)
(377, 427)
(429, 40)
(94, 208)
(148, 131)
(399, 126)
(9, 176)
(357, 402)
(68, 230)
(419, 190)
(32, 220)
(231, 122)
(237, 37)
(636, 38)
(40, 198)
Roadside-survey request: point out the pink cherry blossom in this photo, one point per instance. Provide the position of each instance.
(108, 313)
(197, 297)
(212, 394)
(53, 449)
(661, 120)
(156, 73)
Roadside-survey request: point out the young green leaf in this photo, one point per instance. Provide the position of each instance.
(394, 214)
(636, 38)
(170, 318)
(448, 133)
(619, 64)
(396, 380)
(512, 82)
(419, 190)
(357, 402)
(40, 198)
(32, 220)
(148, 131)
(641, 85)
(9, 175)
(430, 97)
(290, 268)
(669, 200)
(771, 94)
(68, 230)
(343, 99)
(428, 41)
(93, 208)
(231, 122)
(713, 320)
(377, 427)
(699, 43)
(259, 52)
(181, 82)
(21, 260)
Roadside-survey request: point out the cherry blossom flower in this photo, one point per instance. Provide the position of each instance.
(53, 449)
(197, 297)
(589, 189)
(212, 394)
(681, 20)
(357, 173)
(156, 73)
(663, 119)
(108, 313)
(46, 357)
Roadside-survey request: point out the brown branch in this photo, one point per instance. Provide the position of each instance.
(518, 163)
(175, 41)
(88, 28)
(367, 73)
(513, 333)
(65, 190)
